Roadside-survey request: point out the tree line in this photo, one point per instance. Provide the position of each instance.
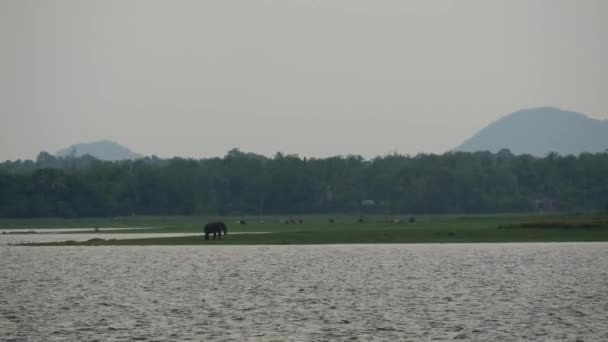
(249, 184)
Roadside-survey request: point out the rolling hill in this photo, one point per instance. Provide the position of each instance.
(538, 131)
(103, 149)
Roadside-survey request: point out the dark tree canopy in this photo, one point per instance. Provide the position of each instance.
(246, 183)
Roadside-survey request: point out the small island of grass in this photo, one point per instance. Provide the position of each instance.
(352, 230)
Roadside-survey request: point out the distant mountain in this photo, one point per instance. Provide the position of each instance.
(538, 131)
(103, 149)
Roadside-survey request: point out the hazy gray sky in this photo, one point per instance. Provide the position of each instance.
(316, 78)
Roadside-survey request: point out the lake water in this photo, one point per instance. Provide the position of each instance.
(67, 230)
(485, 292)
(44, 235)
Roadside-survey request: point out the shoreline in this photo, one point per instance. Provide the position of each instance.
(319, 230)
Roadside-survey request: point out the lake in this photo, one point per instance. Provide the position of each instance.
(58, 235)
(507, 292)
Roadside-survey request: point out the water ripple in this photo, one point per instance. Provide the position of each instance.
(507, 292)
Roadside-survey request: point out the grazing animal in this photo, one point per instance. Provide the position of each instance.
(412, 219)
(331, 220)
(215, 228)
(361, 220)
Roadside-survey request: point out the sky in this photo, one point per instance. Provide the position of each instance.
(314, 78)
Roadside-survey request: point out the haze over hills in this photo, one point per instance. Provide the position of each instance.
(535, 131)
(538, 131)
(103, 149)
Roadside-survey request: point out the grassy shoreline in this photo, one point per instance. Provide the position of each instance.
(345, 230)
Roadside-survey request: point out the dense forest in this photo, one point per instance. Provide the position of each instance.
(249, 184)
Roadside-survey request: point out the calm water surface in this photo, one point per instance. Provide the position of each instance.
(45, 236)
(507, 292)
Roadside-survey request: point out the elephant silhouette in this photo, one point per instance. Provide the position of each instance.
(215, 228)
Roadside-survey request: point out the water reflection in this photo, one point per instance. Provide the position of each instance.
(27, 238)
(44, 235)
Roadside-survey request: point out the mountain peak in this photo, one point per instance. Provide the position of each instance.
(102, 149)
(538, 131)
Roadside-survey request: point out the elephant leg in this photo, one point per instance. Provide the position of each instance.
(220, 234)
(206, 236)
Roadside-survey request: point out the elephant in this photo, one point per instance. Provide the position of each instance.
(215, 228)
